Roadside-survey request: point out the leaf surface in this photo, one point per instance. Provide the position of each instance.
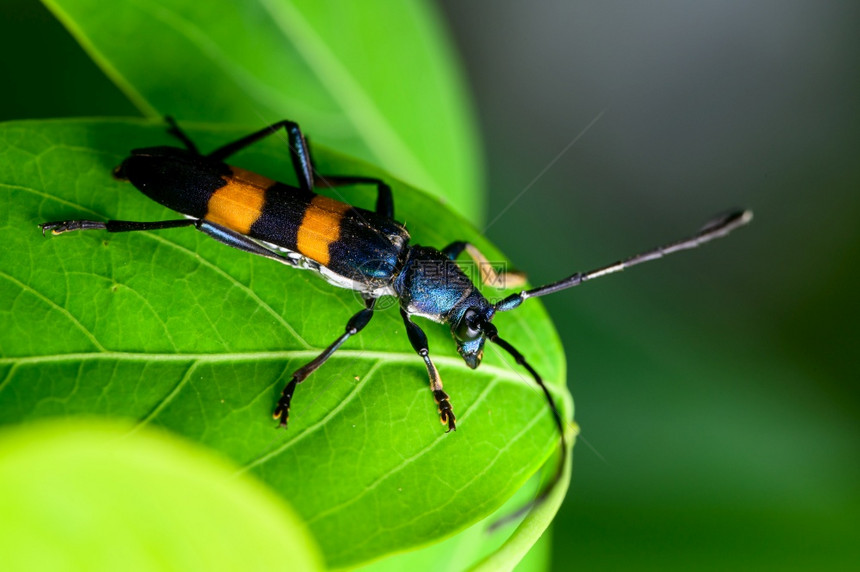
(90, 496)
(175, 330)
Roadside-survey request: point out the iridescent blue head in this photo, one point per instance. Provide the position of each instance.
(469, 328)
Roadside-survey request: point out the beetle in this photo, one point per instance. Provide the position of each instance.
(350, 247)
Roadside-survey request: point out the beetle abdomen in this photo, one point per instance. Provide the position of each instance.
(354, 243)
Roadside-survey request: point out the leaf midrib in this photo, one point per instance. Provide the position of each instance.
(183, 27)
(498, 375)
(369, 355)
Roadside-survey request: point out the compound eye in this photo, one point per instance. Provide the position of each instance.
(467, 328)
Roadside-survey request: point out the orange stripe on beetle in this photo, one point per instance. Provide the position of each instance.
(238, 204)
(320, 227)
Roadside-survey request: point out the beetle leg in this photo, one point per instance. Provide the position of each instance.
(355, 325)
(300, 153)
(384, 199)
(241, 242)
(419, 342)
(61, 226)
(180, 134)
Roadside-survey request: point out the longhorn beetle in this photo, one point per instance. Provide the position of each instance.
(362, 250)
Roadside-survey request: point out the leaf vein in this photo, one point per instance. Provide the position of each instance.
(167, 399)
(406, 461)
(309, 430)
(26, 288)
(203, 261)
(442, 508)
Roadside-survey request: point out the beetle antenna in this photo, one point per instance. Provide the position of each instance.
(716, 228)
(493, 335)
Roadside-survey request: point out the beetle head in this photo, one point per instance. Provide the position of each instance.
(469, 330)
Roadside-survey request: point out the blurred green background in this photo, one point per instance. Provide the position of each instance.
(717, 390)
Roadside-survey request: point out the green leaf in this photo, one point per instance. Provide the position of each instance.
(374, 79)
(173, 329)
(85, 495)
(477, 550)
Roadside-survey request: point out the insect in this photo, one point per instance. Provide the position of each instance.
(350, 247)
